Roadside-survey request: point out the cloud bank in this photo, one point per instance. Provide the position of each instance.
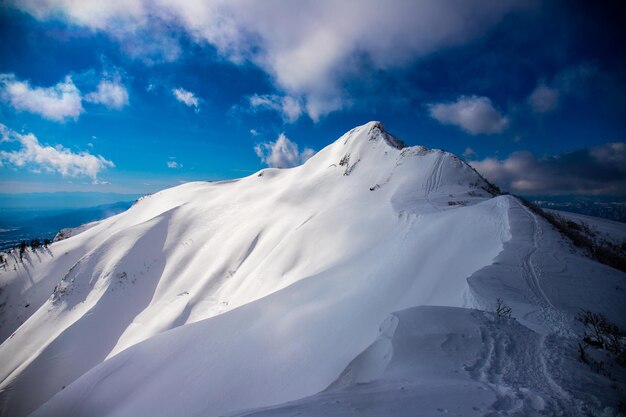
(473, 114)
(50, 159)
(600, 170)
(282, 153)
(309, 48)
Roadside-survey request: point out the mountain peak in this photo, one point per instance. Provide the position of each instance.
(414, 179)
(372, 131)
(291, 279)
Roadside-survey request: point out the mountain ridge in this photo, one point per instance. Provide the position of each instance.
(215, 298)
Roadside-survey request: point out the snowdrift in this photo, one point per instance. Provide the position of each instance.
(225, 298)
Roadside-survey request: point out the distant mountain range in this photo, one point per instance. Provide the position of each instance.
(612, 208)
(17, 224)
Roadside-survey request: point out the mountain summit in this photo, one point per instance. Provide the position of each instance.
(362, 282)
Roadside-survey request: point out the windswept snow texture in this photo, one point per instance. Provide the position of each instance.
(297, 290)
(433, 361)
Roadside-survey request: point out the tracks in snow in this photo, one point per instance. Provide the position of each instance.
(434, 179)
(513, 364)
(530, 271)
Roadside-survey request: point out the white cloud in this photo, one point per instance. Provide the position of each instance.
(39, 158)
(289, 107)
(174, 165)
(544, 99)
(547, 97)
(110, 93)
(59, 102)
(309, 48)
(282, 153)
(595, 171)
(473, 114)
(254, 132)
(469, 153)
(186, 97)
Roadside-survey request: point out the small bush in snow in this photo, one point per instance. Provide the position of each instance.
(502, 310)
(581, 235)
(602, 334)
(22, 248)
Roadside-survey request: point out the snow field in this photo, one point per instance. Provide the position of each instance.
(213, 298)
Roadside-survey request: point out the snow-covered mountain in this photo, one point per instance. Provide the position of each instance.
(351, 285)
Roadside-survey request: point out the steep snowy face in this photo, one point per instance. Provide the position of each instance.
(414, 180)
(294, 267)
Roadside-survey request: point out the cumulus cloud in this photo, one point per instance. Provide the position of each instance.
(186, 97)
(289, 107)
(309, 48)
(473, 114)
(282, 153)
(544, 99)
(44, 158)
(547, 97)
(110, 93)
(59, 102)
(600, 170)
(174, 165)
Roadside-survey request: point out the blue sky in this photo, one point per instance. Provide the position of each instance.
(135, 96)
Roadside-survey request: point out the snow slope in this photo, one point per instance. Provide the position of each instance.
(605, 229)
(213, 298)
(434, 361)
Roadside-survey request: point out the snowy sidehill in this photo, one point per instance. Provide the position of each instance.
(304, 290)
